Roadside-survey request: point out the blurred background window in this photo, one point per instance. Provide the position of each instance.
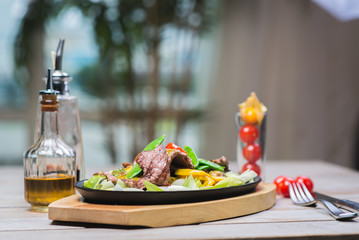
(149, 67)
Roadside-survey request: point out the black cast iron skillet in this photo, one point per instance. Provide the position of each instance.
(165, 197)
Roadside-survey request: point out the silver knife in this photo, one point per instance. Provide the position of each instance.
(341, 202)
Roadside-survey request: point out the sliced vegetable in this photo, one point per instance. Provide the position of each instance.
(202, 167)
(233, 180)
(185, 172)
(121, 183)
(107, 185)
(175, 188)
(93, 181)
(190, 183)
(199, 183)
(208, 181)
(152, 187)
(211, 165)
(175, 147)
(118, 188)
(136, 170)
(216, 177)
(230, 182)
(119, 172)
(192, 155)
(248, 176)
(152, 145)
(178, 182)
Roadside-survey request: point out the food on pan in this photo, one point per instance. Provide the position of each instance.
(170, 168)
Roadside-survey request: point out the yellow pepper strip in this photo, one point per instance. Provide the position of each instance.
(217, 176)
(198, 174)
(208, 181)
(217, 179)
(128, 168)
(124, 177)
(168, 151)
(187, 172)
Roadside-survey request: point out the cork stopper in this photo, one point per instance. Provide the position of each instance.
(49, 101)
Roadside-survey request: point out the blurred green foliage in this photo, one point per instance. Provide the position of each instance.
(122, 29)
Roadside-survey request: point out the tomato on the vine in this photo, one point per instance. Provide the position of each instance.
(252, 166)
(306, 181)
(248, 133)
(252, 152)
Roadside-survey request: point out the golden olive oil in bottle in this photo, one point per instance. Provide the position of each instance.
(49, 164)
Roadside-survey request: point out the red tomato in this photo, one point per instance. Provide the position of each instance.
(252, 166)
(279, 180)
(248, 133)
(252, 152)
(307, 182)
(283, 186)
(174, 146)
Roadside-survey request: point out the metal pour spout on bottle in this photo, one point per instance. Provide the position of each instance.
(68, 110)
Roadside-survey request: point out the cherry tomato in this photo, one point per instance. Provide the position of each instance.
(250, 115)
(248, 133)
(279, 180)
(174, 146)
(252, 166)
(252, 152)
(307, 182)
(283, 186)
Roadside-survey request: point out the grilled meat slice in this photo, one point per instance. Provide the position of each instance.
(110, 177)
(125, 165)
(155, 167)
(178, 159)
(134, 183)
(222, 161)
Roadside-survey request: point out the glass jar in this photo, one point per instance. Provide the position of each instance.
(251, 145)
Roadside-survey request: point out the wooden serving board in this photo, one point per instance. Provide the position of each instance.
(74, 209)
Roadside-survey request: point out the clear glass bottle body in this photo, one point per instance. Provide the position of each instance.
(69, 128)
(49, 166)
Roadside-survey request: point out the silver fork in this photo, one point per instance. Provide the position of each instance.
(300, 195)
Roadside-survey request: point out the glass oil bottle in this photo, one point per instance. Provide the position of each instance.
(49, 164)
